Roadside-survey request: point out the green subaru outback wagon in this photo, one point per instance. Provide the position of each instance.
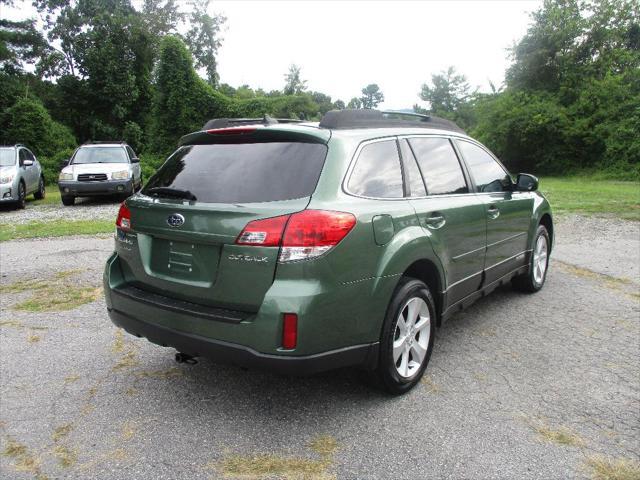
(301, 247)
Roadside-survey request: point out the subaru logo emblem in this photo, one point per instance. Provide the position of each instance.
(175, 220)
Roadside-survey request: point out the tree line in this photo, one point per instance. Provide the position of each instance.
(102, 69)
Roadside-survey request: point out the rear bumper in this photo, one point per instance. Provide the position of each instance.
(105, 187)
(226, 352)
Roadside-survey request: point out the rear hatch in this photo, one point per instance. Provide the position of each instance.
(185, 223)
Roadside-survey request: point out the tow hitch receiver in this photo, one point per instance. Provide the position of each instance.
(185, 358)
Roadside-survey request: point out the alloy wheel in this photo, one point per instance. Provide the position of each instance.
(411, 337)
(540, 254)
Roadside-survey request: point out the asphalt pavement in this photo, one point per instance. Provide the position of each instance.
(519, 386)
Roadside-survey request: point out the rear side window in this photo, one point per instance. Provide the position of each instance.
(439, 165)
(243, 172)
(488, 175)
(377, 171)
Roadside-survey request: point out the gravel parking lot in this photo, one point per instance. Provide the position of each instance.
(519, 386)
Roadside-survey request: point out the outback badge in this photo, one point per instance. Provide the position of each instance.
(175, 220)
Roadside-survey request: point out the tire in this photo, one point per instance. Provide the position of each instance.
(68, 200)
(400, 370)
(534, 279)
(41, 192)
(22, 196)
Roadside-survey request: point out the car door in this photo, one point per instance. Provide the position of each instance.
(33, 171)
(26, 172)
(135, 166)
(508, 213)
(452, 216)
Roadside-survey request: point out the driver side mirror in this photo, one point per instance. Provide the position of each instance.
(27, 163)
(526, 183)
(64, 163)
(135, 160)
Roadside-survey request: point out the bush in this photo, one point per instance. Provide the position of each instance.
(51, 165)
(149, 163)
(28, 122)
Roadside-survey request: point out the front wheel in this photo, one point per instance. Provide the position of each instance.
(68, 200)
(534, 279)
(22, 196)
(407, 337)
(41, 192)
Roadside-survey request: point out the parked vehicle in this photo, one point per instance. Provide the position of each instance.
(306, 247)
(20, 175)
(100, 168)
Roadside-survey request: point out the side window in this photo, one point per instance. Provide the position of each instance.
(377, 171)
(30, 156)
(131, 153)
(412, 173)
(488, 175)
(439, 165)
(22, 156)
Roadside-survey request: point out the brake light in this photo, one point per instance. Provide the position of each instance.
(231, 131)
(124, 217)
(263, 233)
(301, 236)
(311, 233)
(289, 331)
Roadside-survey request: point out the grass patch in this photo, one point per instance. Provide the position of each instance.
(66, 457)
(61, 432)
(24, 461)
(55, 300)
(51, 198)
(613, 469)
(168, 373)
(273, 466)
(430, 384)
(57, 293)
(562, 436)
(585, 195)
(324, 445)
(58, 228)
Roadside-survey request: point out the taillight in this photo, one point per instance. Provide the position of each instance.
(312, 232)
(301, 236)
(289, 331)
(124, 217)
(263, 233)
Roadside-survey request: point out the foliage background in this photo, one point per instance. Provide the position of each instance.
(102, 69)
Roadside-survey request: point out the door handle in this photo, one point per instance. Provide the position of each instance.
(493, 212)
(435, 221)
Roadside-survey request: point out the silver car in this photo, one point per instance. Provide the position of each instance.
(100, 168)
(20, 175)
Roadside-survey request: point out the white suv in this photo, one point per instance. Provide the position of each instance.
(100, 168)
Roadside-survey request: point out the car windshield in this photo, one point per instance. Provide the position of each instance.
(7, 157)
(100, 155)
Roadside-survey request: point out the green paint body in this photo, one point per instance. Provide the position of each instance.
(341, 297)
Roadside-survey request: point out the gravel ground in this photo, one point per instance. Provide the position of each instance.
(84, 209)
(506, 375)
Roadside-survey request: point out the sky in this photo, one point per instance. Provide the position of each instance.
(342, 46)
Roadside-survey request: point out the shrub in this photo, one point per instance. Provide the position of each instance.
(51, 165)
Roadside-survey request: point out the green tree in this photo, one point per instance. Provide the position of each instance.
(294, 85)
(354, 103)
(447, 91)
(204, 39)
(339, 105)
(20, 43)
(371, 96)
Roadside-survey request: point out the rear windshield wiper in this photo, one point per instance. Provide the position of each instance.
(172, 192)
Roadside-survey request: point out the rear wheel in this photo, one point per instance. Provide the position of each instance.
(40, 193)
(534, 279)
(22, 196)
(68, 200)
(407, 337)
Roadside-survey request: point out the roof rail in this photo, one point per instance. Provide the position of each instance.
(97, 142)
(236, 122)
(367, 118)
